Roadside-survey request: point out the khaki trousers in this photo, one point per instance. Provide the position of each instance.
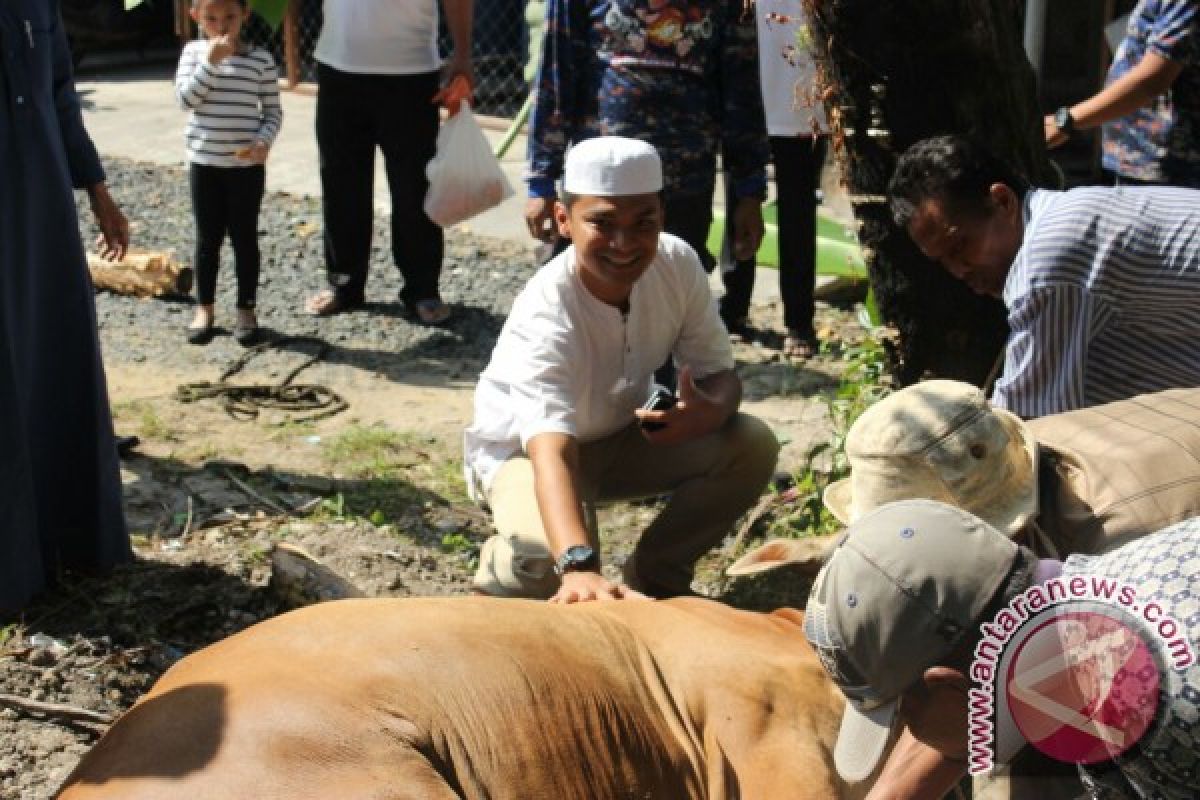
(712, 481)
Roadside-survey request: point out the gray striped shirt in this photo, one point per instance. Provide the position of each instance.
(233, 104)
(1103, 298)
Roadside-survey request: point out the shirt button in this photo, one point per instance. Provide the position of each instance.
(20, 100)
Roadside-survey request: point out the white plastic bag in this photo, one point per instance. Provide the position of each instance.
(465, 178)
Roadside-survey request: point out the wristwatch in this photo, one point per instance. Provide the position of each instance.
(577, 558)
(1064, 121)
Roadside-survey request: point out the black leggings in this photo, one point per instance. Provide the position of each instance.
(226, 200)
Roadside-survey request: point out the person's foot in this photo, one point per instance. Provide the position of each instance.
(799, 346)
(246, 330)
(200, 329)
(327, 302)
(431, 311)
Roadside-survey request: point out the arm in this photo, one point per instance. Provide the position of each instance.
(83, 161)
(193, 79)
(1166, 53)
(564, 56)
(744, 145)
(915, 771)
(1047, 351)
(555, 458)
(458, 76)
(268, 98)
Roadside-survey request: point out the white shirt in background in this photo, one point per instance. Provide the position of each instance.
(380, 37)
(786, 70)
(567, 362)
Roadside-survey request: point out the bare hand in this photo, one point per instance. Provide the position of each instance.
(221, 48)
(113, 241)
(1054, 135)
(452, 95)
(696, 414)
(255, 153)
(539, 218)
(748, 229)
(581, 587)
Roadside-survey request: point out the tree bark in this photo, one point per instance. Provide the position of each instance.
(893, 73)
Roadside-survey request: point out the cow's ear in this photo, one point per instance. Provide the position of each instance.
(808, 554)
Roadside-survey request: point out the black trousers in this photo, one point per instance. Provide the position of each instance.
(355, 114)
(798, 161)
(227, 200)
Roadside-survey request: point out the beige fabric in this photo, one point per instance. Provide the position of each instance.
(712, 481)
(940, 440)
(1122, 470)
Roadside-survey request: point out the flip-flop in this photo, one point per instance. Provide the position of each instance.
(431, 311)
(326, 303)
(799, 347)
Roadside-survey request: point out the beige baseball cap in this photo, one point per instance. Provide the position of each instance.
(906, 582)
(612, 166)
(943, 441)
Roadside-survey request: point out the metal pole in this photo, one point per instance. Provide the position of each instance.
(1035, 34)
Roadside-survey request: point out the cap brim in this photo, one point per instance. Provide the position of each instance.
(837, 497)
(862, 740)
(1023, 507)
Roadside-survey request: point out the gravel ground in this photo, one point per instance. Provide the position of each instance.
(480, 278)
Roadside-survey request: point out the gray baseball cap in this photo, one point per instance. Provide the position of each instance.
(896, 596)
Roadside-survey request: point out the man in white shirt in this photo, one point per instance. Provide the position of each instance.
(379, 74)
(557, 419)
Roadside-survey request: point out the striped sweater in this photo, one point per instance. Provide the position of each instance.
(232, 105)
(1103, 299)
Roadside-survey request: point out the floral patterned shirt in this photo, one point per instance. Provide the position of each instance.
(679, 74)
(1160, 142)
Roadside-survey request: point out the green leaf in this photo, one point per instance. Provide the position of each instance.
(270, 10)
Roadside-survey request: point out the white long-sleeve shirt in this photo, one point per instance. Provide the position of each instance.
(233, 104)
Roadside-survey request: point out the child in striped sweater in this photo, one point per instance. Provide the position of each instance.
(232, 92)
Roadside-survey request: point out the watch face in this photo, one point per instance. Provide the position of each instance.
(1062, 119)
(575, 556)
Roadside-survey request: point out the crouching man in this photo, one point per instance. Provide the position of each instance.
(558, 419)
(1105, 680)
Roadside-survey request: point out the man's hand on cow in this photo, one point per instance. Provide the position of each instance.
(696, 414)
(580, 587)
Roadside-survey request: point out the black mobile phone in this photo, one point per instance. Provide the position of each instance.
(660, 399)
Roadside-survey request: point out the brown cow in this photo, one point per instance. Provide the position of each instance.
(482, 698)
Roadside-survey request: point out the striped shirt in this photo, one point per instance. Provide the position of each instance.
(1103, 298)
(232, 105)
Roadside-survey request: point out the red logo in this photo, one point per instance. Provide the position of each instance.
(1082, 687)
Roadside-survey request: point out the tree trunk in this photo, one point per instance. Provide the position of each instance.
(892, 73)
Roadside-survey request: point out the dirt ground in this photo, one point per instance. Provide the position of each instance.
(375, 492)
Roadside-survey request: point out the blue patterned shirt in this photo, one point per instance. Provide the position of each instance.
(1103, 298)
(679, 74)
(1165, 762)
(1160, 142)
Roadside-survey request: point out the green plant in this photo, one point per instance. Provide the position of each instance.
(370, 451)
(458, 542)
(863, 383)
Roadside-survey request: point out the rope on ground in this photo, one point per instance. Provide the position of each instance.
(244, 401)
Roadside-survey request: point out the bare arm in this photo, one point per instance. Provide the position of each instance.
(915, 771)
(1152, 76)
(555, 458)
(459, 20)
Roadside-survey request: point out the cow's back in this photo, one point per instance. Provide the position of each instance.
(455, 697)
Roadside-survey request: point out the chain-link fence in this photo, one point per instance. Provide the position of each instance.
(500, 49)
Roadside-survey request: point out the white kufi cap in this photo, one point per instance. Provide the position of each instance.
(612, 166)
